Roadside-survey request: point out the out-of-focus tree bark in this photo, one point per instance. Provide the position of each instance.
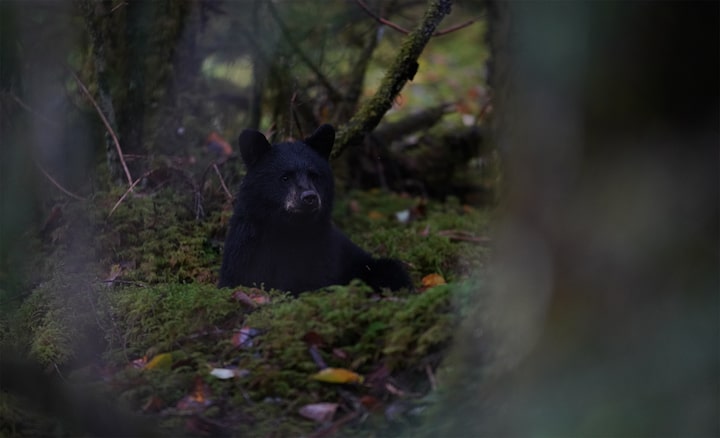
(602, 318)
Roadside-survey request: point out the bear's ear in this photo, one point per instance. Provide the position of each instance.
(253, 145)
(322, 140)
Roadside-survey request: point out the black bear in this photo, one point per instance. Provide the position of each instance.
(281, 235)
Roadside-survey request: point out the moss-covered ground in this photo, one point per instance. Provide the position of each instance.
(127, 302)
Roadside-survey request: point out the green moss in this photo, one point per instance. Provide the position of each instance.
(59, 320)
(370, 329)
(160, 317)
(160, 239)
(164, 301)
(425, 243)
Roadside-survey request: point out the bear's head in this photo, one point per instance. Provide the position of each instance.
(289, 183)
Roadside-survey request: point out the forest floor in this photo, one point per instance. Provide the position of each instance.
(125, 307)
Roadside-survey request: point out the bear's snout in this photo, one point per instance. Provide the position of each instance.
(310, 200)
(303, 202)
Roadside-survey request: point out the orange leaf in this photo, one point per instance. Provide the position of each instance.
(369, 402)
(218, 145)
(431, 280)
(337, 375)
(375, 215)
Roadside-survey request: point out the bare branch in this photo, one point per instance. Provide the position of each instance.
(127, 192)
(222, 181)
(452, 29)
(381, 20)
(404, 31)
(107, 126)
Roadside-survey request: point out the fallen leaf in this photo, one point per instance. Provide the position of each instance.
(162, 361)
(375, 215)
(154, 404)
(222, 373)
(431, 280)
(369, 402)
(319, 412)
(337, 352)
(218, 146)
(198, 399)
(313, 338)
(260, 299)
(403, 216)
(140, 362)
(242, 297)
(252, 297)
(337, 375)
(244, 337)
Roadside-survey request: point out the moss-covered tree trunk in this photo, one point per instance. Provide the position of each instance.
(133, 54)
(402, 70)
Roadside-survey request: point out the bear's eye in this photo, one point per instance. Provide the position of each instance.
(285, 178)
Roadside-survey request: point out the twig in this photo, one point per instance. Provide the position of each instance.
(132, 186)
(61, 188)
(431, 377)
(452, 29)
(381, 20)
(222, 181)
(463, 236)
(404, 31)
(107, 125)
(119, 5)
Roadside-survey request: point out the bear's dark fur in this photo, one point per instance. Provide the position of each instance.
(281, 235)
